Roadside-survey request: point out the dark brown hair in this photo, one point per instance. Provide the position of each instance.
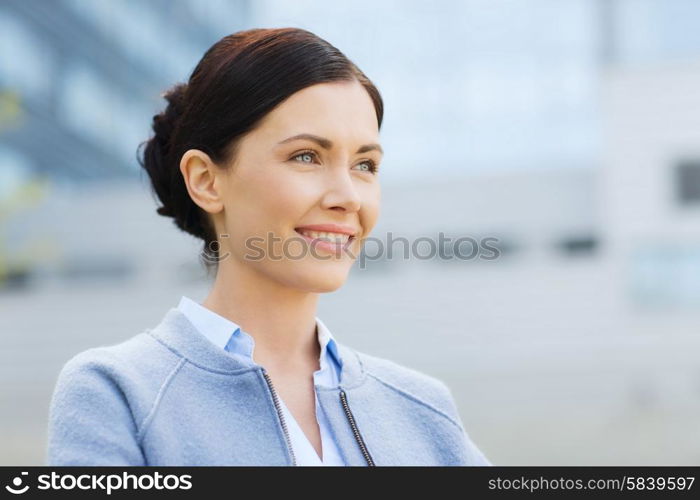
(240, 79)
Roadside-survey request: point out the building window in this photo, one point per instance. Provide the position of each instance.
(665, 276)
(688, 182)
(578, 245)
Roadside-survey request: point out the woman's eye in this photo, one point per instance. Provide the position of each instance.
(369, 166)
(307, 155)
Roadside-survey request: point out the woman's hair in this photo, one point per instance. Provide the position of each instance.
(240, 79)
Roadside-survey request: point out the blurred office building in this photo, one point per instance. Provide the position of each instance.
(79, 83)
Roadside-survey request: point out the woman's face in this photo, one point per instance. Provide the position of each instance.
(279, 183)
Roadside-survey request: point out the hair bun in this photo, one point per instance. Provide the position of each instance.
(165, 121)
(156, 154)
(166, 211)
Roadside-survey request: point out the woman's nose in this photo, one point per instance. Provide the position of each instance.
(342, 193)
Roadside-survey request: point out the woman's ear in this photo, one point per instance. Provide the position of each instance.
(202, 178)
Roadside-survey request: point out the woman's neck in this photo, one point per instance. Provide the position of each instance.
(281, 320)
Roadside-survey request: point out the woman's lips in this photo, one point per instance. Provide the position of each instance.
(327, 246)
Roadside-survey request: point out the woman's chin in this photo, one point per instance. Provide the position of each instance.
(323, 279)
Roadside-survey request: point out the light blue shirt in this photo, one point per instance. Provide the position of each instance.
(227, 335)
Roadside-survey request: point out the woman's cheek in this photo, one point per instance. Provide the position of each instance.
(371, 205)
(294, 196)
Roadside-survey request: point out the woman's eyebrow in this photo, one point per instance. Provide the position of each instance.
(328, 144)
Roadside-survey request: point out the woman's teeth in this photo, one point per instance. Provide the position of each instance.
(331, 237)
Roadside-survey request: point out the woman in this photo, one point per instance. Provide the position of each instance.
(269, 154)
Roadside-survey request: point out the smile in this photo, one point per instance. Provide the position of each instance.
(326, 236)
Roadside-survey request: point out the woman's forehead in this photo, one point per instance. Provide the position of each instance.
(321, 109)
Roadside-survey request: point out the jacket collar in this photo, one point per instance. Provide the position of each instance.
(228, 335)
(177, 333)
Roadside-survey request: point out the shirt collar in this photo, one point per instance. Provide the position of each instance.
(227, 335)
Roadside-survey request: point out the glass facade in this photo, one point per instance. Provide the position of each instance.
(87, 76)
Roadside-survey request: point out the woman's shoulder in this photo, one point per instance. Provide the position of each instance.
(104, 395)
(425, 390)
(410, 382)
(133, 370)
(394, 372)
(138, 355)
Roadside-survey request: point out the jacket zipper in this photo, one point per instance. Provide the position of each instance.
(281, 416)
(346, 407)
(355, 430)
